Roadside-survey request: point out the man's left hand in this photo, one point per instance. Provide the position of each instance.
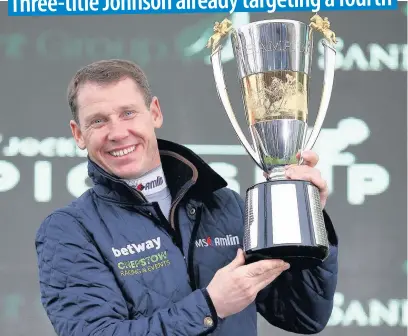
(308, 172)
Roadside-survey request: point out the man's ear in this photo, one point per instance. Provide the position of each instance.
(77, 134)
(156, 113)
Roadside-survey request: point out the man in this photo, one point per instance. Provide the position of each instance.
(125, 257)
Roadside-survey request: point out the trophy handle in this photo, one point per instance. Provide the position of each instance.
(329, 67)
(224, 97)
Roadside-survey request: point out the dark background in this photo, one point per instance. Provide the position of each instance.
(362, 146)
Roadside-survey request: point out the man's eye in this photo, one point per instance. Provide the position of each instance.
(97, 122)
(129, 113)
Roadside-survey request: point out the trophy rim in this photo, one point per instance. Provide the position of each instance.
(256, 23)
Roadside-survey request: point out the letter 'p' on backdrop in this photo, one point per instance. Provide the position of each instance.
(362, 146)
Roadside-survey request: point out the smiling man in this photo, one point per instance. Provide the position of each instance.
(155, 246)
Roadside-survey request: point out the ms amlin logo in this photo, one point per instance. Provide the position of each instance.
(228, 240)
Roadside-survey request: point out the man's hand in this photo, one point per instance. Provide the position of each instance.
(308, 172)
(236, 285)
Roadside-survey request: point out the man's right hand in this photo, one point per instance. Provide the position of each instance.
(236, 285)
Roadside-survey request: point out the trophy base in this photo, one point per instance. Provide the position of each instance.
(284, 220)
(298, 256)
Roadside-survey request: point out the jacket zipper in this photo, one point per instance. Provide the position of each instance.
(190, 264)
(177, 234)
(176, 202)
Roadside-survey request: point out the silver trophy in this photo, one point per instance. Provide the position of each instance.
(284, 218)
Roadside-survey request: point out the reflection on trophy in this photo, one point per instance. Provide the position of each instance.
(284, 218)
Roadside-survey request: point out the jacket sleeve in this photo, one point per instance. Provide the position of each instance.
(301, 301)
(82, 298)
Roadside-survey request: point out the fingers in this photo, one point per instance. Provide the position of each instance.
(265, 273)
(268, 277)
(307, 174)
(253, 277)
(239, 260)
(310, 158)
(260, 268)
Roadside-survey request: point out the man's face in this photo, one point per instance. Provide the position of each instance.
(117, 128)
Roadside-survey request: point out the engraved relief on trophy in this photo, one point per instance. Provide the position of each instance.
(273, 46)
(275, 95)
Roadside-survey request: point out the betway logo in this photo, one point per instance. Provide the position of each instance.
(228, 240)
(150, 185)
(137, 248)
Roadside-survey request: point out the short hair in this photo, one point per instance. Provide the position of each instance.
(106, 72)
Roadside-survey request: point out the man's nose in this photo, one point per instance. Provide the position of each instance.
(117, 132)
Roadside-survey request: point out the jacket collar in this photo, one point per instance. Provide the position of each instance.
(183, 169)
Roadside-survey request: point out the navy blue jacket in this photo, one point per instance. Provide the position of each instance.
(111, 264)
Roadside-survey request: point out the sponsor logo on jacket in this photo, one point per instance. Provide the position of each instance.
(228, 240)
(137, 248)
(144, 265)
(150, 185)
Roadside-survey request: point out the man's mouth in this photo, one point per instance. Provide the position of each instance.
(123, 152)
